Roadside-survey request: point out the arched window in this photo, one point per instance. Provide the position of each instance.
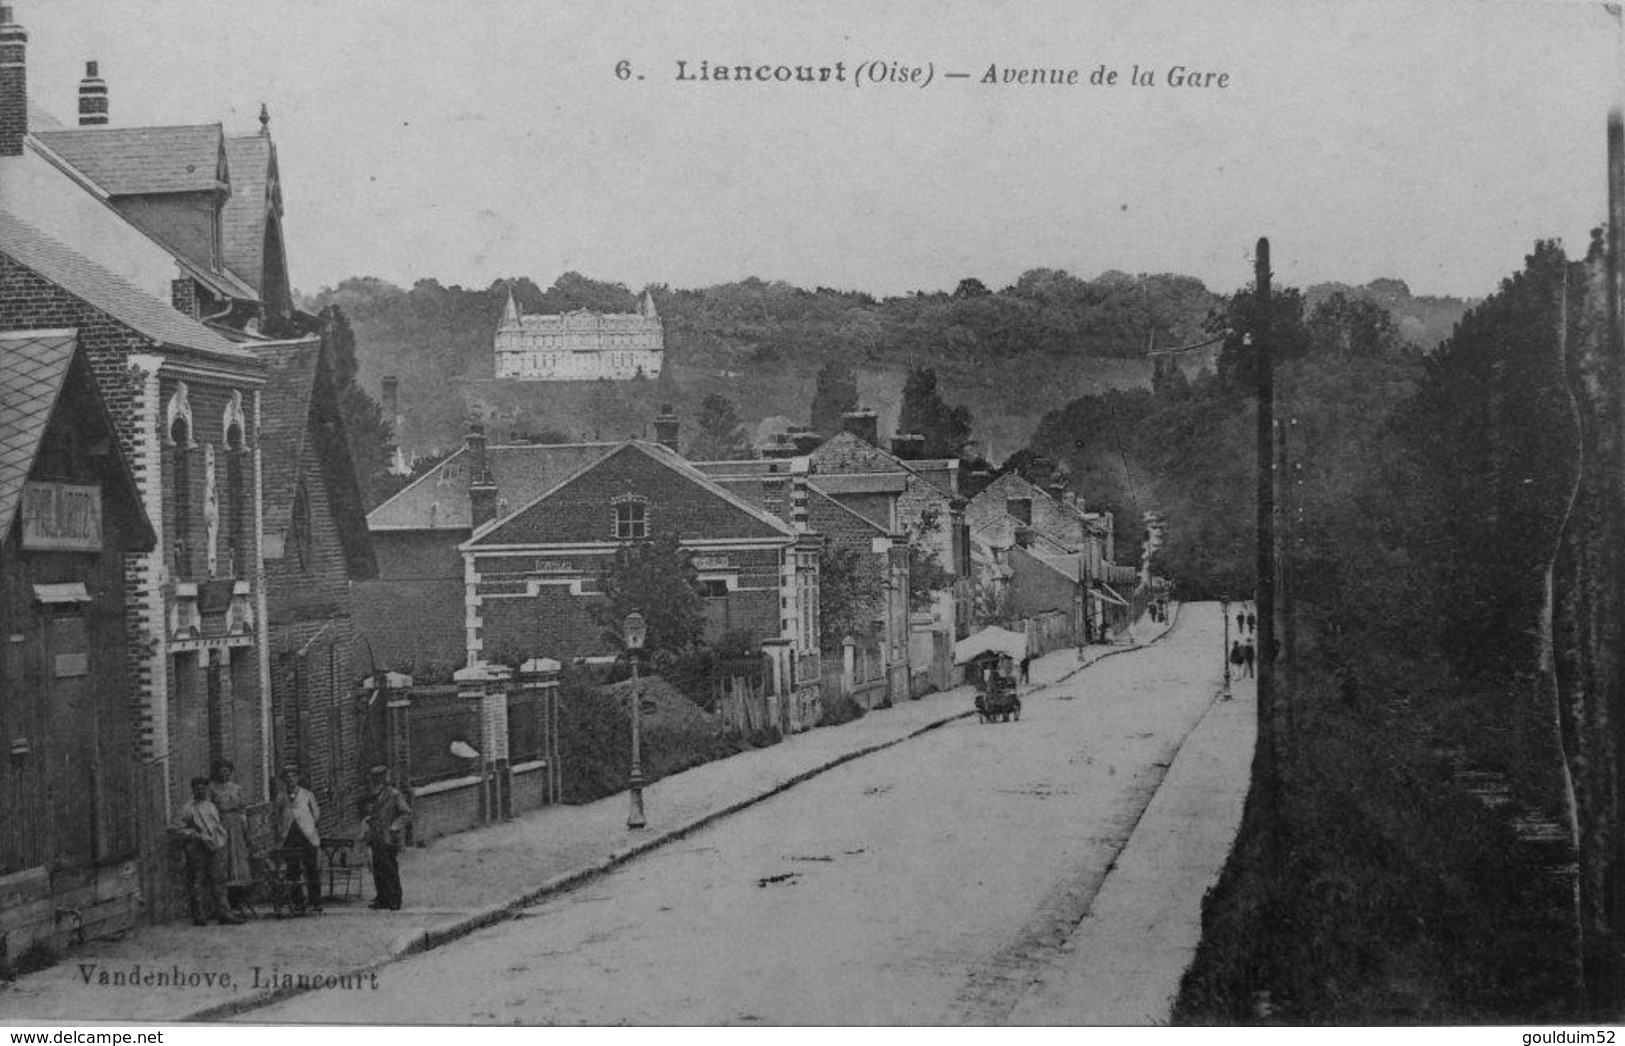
(180, 436)
(299, 530)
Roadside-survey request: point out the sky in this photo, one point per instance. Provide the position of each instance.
(1429, 141)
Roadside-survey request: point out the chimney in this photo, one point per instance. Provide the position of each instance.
(392, 398)
(864, 424)
(908, 446)
(779, 447)
(92, 98)
(799, 519)
(1057, 491)
(1041, 472)
(482, 488)
(13, 85)
(804, 440)
(666, 428)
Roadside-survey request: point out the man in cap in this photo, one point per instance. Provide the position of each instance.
(384, 827)
(202, 837)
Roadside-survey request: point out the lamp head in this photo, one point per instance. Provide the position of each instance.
(634, 630)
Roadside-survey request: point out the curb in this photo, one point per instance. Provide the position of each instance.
(417, 942)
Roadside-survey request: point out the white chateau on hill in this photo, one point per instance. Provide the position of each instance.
(580, 345)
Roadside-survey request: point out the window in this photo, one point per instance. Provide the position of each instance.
(713, 588)
(1020, 508)
(631, 518)
(299, 530)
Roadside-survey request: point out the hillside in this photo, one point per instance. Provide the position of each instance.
(1009, 355)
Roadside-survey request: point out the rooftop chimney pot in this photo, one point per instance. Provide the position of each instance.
(92, 98)
(13, 84)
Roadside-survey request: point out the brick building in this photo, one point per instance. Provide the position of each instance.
(131, 238)
(71, 789)
(531, 574)
(412, 614)
(316, 543)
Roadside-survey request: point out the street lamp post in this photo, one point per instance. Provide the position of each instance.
(1224, 612)
(634, 631)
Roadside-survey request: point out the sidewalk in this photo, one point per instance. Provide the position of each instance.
(462, 882)
(1124, 961)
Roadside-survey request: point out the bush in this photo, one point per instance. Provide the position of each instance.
(840, 709)
(595, 734)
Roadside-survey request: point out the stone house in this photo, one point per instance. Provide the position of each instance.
(73, 795)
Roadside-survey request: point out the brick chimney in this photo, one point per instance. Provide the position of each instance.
(666, 428)
(864, 424)
(13, 84)
(908, 446)
(804, 440)
(1041, 472)
(482, 487)
(92, 98)
(799, 518)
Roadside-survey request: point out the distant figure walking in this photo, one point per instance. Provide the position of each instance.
(1236, 656)
(1249, 655)
(1241, 621)
(1252, 623)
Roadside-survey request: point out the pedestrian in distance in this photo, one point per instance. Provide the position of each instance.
(1249, 655)
(1026, 668)
(1241, 621)
(384, 828)
(203, 839)
(1252, 623)
(1236, 656)
(296, 817)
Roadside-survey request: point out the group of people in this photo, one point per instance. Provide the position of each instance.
(212, 831)
(1243, 652)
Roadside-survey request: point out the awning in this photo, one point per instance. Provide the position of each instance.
(1108, 596)
(991, 641)
(69, 592)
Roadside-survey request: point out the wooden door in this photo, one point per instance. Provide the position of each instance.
(71, 768)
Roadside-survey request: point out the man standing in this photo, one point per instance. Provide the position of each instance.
(1249, 655)
(385, 829)
(296, 816)
(203, 838)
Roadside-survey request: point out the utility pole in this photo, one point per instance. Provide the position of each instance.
(1611, 997)
(1266, 760)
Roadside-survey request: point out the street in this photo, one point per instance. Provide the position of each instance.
(929, 883)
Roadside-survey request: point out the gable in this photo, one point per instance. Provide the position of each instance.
(438, 500)
(846, 453)
(581, 510)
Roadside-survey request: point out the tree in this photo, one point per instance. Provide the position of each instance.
(849, 598)
(721, 436)
(836, 392)
(926, 574)
(656, 578)
(946, 429)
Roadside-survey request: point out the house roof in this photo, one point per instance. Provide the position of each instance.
(299, 419)
(659, 454)
(253, 194)
(108, 292)
(130, 161)
(438, 500)
(34, 368)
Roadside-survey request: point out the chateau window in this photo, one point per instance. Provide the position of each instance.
(631, 518)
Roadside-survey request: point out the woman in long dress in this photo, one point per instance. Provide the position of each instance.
(228, 798)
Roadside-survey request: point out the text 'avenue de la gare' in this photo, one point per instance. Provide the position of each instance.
(887, 72)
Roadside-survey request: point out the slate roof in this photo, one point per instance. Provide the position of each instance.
(33, 367)
(438, 500)
(662, 455)
(242, 221)
(127, 161)
(110, 293)
(297, 407)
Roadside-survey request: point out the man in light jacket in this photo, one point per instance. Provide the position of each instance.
(296, 816)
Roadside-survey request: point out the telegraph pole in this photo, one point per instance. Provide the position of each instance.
(1266, 762)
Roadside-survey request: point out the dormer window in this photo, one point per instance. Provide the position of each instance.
(631, 518)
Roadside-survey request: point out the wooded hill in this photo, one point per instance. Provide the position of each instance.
(1008, 355)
